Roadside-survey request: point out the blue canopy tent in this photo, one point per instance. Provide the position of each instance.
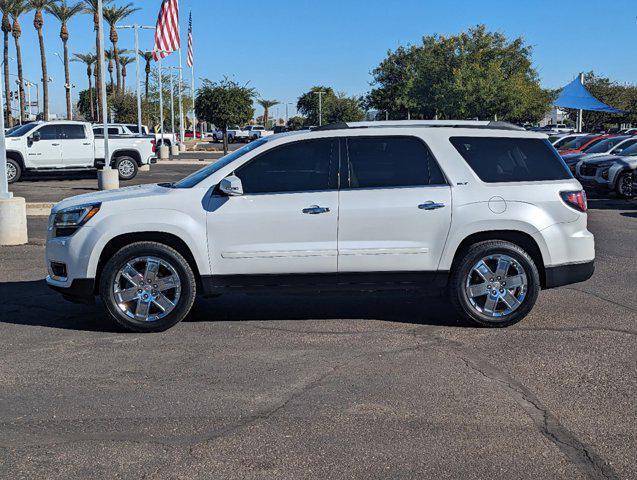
(574, 95)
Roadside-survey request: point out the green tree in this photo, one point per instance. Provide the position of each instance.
(335, 107)
(88, 109)
(18, 8)
(38, 23)
(148, 58)
(224, 103)
(113, 15)
(124, 62)
(90, 8)
(476, 74)
(64, 12)
(5, 8)
(296, 123)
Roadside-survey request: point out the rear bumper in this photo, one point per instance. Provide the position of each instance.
(559, 275)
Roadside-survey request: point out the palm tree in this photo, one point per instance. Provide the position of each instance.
(38, 23)
(113, 15)
(19, 7)
(124, 61)
(90, 7)
(109, 56)
(88, 59)
(267, 104)
(5, 8)
(63, 12)
(148, 56)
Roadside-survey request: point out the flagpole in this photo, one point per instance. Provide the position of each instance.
(161, 105)
(181, 106)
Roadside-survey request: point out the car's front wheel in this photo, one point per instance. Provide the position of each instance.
(625, 185)
(14, 171)
(495, 283)
(147, 287)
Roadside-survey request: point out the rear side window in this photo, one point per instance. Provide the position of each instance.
(304, 166)
(72, 132)
(377, 162)
(499, 159)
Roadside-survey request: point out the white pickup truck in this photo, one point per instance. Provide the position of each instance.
(257, 131)
(72, 146)
(167, 139)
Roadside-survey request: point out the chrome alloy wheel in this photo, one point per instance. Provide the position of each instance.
(496, 285)
(147, 289)
(126, 168)
(11, 171)
(626, 185)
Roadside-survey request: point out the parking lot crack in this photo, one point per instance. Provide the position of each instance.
(580, 454)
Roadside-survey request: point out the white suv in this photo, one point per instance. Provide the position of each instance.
(484, 210)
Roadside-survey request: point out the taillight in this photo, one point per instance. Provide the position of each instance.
(154, 144)
(576, 200)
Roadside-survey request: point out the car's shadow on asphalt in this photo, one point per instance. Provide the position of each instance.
(598, 203)
(34, 304)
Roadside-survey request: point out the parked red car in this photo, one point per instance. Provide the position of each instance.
(580, 144)
(188, 134)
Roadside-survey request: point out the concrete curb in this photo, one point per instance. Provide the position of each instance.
(39, 209)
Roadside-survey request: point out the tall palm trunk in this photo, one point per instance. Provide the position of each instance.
(67, 79)
(110, 73)
(123, 85)
(98, 64)
(6, 29)
(17, 31)
(118, 67)
(147, 77)
(89, 74)
(38, 22)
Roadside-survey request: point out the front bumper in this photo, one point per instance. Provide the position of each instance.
(559, 275)
(80, 290)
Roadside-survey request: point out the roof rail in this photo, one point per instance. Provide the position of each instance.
(482, 124)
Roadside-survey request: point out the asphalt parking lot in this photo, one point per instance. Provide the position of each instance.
(322, 386)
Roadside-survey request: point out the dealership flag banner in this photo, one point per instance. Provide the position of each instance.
(189, 60)
(167, 37)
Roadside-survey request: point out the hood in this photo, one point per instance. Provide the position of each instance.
(600, 159)
(136, 191)
(572, 158)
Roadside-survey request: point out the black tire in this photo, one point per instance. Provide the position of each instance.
(462, 268)
(126, 167)
(184, 303)
(14, 170)
(625, 182)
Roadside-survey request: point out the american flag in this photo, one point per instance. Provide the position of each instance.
(190, 60)
(167, 32)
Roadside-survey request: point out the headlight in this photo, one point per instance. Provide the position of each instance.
(66, 221)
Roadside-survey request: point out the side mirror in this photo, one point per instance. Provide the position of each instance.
(36, 136)
(231, 186)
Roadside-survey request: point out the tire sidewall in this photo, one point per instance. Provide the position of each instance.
(126, 159)
(474, 254)
(620, 180)
(186, 276)
(18, 170)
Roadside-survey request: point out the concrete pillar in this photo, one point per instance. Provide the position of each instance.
(174, 150)
(13, 221)
(164, 152)
(107, 179)
(145, 168)
(182, 147)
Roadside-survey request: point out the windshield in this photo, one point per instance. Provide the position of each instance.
(22, 130)
(194, 178)
(605, 145)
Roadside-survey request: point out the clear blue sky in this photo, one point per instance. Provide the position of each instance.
(284, 47)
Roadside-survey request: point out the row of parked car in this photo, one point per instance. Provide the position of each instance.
(602, 163)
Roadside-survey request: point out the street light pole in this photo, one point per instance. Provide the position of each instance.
(67, 85)
(138, 69)
(320, 94)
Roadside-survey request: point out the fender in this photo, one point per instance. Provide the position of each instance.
(192, 231)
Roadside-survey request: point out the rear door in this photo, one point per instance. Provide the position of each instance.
(46, 152)
(77, 147)
(394, 206)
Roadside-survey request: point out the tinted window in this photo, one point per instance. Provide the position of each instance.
(391, 162)
(133, 128)
(605, 145)
(72, 132)
(577, 142)
(297, 167)
(511, 159)
(49, 132)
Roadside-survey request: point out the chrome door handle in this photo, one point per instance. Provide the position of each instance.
(430, 205)
(315, 210)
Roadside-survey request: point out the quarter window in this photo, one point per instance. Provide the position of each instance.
(298, 167)
(501, 159)
(377, 162)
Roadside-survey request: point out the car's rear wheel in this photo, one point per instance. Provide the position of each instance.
(147, 287)
(14, 170)
(126, 167)
(625, 185)
(495, 283)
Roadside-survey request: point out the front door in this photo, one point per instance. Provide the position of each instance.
(286, 220)
(77, 149)
(394, 206)
(45, 152)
